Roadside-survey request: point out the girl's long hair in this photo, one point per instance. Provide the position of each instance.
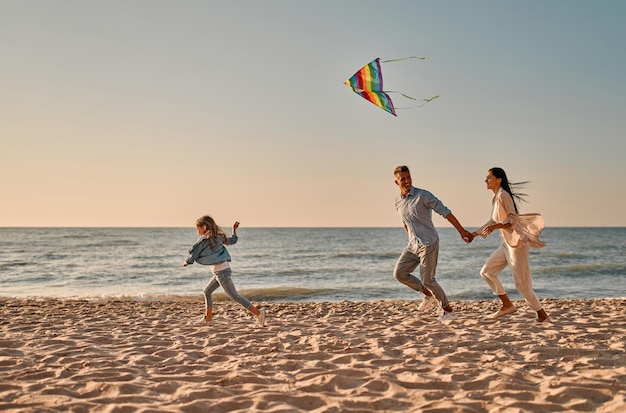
(214, 232)
(510, 186)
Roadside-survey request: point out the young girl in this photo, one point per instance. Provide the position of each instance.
(519, 233)
(210, 250)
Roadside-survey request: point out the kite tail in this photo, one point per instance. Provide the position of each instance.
(409, 97)
(421, 100)
(404, 58)
(400, 93)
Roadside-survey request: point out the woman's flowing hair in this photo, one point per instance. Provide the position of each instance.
(214, 232)
(510, 186)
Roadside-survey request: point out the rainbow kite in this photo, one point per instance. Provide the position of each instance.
(368, 83)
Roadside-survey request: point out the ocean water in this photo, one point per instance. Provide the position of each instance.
(292, 264)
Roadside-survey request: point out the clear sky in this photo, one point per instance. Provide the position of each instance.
(152, 113)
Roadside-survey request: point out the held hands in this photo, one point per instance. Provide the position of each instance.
(467, 236)
(484, 232)
(477, 233)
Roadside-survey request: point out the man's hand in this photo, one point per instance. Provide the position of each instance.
(467, 236)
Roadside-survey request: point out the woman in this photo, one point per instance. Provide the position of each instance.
(519, 233)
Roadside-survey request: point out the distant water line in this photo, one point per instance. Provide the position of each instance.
(292, 264)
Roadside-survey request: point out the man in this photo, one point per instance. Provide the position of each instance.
(415, 207)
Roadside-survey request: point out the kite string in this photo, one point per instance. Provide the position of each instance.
(399, 60)
(405, 58)
(400, 93)
(420, 100)
(409, 97)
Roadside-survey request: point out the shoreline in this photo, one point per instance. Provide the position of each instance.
(257, 296)
(373, 356)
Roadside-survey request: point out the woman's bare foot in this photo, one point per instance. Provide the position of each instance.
(542, 316)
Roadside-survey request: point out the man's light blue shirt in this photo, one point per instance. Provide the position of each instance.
(415, 209)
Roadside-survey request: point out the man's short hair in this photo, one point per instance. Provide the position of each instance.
(401, 168)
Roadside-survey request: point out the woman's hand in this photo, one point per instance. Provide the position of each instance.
(235, 226)
(488, 229)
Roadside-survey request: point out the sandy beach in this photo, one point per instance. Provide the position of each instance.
(381, 356)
